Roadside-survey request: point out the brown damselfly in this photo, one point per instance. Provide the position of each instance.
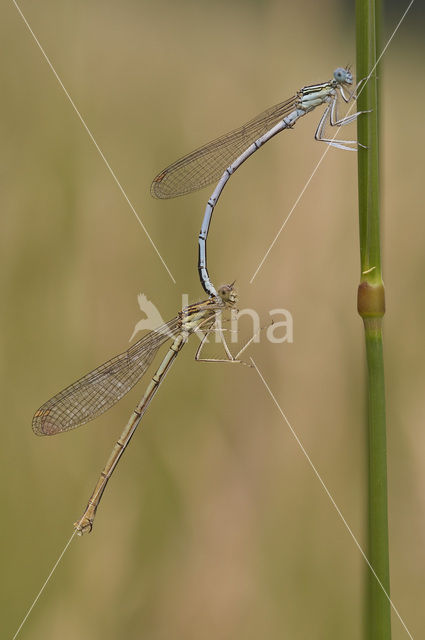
(99, 390)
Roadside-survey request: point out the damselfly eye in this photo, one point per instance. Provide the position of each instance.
(340, 74)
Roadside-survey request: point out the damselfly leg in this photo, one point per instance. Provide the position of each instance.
(330, 116)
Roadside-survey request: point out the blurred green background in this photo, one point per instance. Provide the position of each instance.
(214, 525)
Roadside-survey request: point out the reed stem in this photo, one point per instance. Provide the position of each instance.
(371, 307)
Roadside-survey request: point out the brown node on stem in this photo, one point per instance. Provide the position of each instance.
(371, 300)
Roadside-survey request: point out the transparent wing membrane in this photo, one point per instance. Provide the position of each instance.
(99, 390)
(206, 164)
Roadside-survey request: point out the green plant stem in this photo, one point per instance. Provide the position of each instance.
(371, 307)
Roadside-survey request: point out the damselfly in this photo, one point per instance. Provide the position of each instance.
(223, 156)
(100, 389)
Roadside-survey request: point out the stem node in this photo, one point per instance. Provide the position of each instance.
(371, 300)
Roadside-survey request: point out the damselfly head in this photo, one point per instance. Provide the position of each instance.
(228, 294)
(343, 76)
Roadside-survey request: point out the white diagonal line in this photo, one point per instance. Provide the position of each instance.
(328, 147)
(289, 214)
(328, 493)
(44, 585)
(94, 141)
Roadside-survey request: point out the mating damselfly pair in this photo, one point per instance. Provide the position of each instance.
(99, 390)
